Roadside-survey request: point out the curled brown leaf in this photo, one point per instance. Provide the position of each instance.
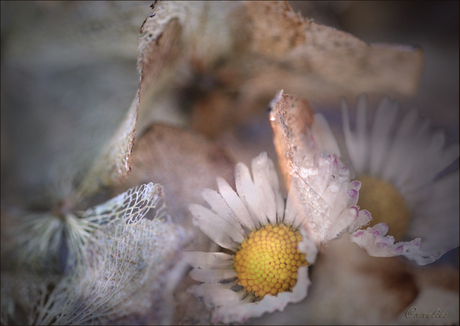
(221, 62)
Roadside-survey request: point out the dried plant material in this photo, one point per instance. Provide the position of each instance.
(124, 264)
(289, 120)
(23, 293)
(319, 185)
(222, 61)
(114, 163)
(126, 275)
(183, 162)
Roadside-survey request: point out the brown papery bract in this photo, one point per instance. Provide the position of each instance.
(220, 63)
(181, 160)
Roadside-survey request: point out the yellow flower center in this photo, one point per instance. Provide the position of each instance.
(385, 204)
(268, 259)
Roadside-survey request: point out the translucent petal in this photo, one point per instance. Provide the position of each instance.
(436, 218)
(378, 245)
(342, 223)
(356, 142)
(364, 217)
(384, 121)
(324, 136)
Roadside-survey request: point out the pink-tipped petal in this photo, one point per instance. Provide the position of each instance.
(374, 241)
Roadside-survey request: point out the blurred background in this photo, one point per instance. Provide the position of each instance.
(68, 76)
(434, 26)
(69, 73)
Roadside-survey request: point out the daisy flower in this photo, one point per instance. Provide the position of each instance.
(268, 243)
(266, 251)
(397, 163)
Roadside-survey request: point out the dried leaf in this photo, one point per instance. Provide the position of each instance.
(183, 162)
(309, 158)
(289, 118)
(223, 61)
(114, 163)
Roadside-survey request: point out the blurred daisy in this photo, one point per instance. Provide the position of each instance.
(268, 247)
(397, 164)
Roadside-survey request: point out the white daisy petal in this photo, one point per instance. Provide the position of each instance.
(206, 260)
(219, 206)
(323, 135)
(233, 310)
(400, 150)
(266, 195)
(356, 142)
(235, 203)
(212, 275)
(241, 312)
(364, 217)
(219, 230)
(448, 156)
(216, 294)
(291, 212)
(419, 175)
(429, 220)
(378, 245)
(353, 192)
(408, 155)
(248, 193)
(342, 223)
(307, 246)
(361, 133)
(276, 188)
(407, 125)
(384, 120)
(320, 189)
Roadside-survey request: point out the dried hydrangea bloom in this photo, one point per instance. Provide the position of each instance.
(267, 246)
(119, 263)
(397, 164)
